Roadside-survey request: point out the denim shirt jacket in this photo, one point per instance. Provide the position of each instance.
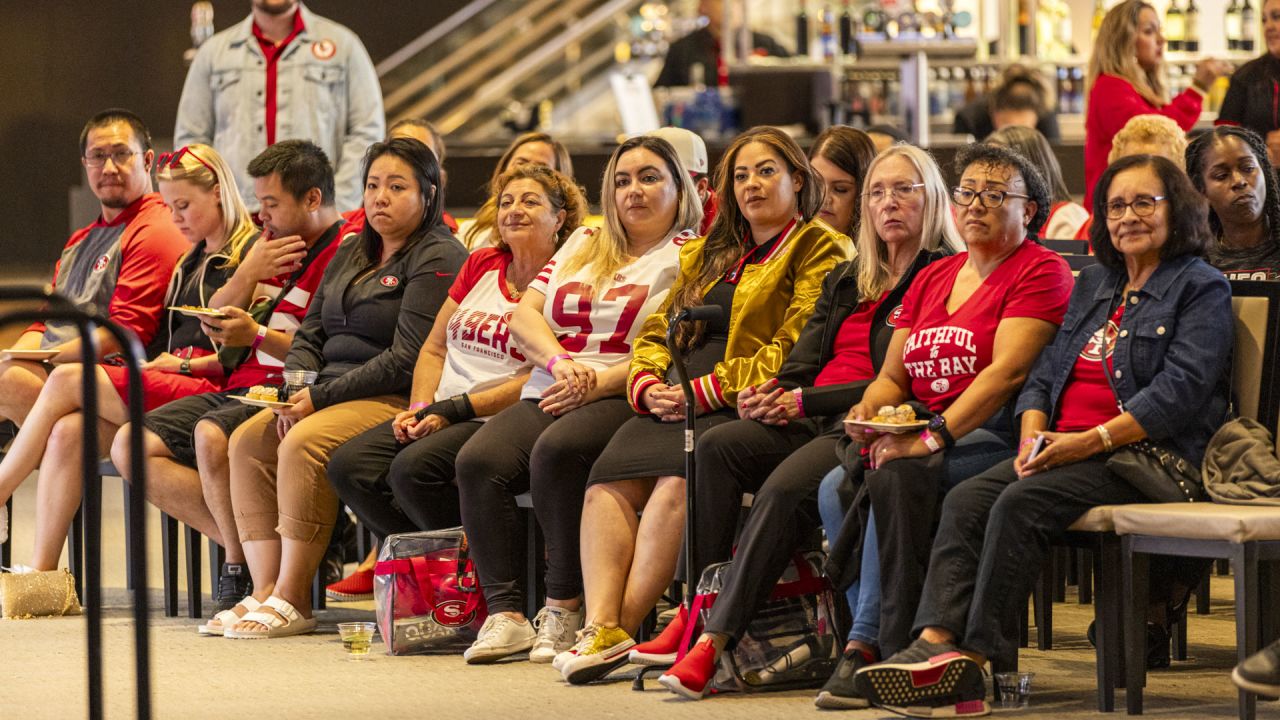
(1171, 362)
(327, 92)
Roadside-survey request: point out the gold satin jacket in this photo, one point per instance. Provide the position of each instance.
(772, 302)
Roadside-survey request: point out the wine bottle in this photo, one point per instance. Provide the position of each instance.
(1024, 27)
(1247, 28)
(1233, 25)
(802, 31)
(846, 30)
(1191, 37)
(1174, 26)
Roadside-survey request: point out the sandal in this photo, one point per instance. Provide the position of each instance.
(227, 618)
(284, 622)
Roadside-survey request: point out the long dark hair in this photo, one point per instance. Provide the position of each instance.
(1197, 156)
(1188, 228)
(852, 151)
(426, 169)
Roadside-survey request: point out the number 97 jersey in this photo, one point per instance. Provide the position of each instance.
(597, 324)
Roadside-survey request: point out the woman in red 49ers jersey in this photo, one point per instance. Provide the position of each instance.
(575, 324)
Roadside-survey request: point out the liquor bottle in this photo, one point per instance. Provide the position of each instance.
(1191, 38)
(1064, 91)
(846, 30)
(827, 34)
(1099, 12)
(802, 31)
(1233, 26)
(1247, 28)
(1174, 26)
(1024, 27)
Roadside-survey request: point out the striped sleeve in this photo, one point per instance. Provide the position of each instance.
(707, 392)
(641, 382)
(543, 278)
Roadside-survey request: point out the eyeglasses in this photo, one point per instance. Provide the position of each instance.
(900, 191)
(1143, 206)
(173, 160)
(120, 157)
(990, 198)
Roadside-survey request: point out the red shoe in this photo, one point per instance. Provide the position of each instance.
(663, 649)
(356, 586)
(692, 675)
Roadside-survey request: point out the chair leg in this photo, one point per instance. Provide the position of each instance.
(1024, 625)
(1180, 635)
(169, 551)
(1043, 595)
(1106, 615)
(1202, 595)
(130, 582)
(1084, 591)
(194, 609)
(217, 556)
(6, 548)
(1060, 572)
(1135, 625)
(317, 590)
(1244, 566)
(75, 550)
(1223, 567)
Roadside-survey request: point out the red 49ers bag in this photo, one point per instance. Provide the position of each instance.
(426, 593)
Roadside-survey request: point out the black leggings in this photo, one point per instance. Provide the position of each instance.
(524, 449)
(396, 488)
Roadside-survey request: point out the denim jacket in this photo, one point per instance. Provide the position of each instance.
(1172, 355)
(327, 92)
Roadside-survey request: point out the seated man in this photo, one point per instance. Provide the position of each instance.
(120, 263)
(186, 440)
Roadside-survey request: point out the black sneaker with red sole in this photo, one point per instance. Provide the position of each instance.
(915, 684)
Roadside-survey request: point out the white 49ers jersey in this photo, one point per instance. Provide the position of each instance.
(597, 324)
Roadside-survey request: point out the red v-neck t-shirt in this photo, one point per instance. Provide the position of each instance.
(945, 351)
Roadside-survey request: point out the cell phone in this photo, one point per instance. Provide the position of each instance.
(1036, 447)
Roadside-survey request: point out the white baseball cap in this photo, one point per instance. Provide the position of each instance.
(691, 149)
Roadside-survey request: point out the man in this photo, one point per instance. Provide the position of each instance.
(1019, 99)
(693, 155)
(119, 264)
(702, 47)
(186, 440)
(284, 72)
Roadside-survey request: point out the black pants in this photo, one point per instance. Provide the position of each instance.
(783, 466)
(993, 536)
(396, 488)
(524, 449)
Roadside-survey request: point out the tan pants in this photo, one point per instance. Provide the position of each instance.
(281, 488)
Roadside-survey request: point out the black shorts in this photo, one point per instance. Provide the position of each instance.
(175, 422)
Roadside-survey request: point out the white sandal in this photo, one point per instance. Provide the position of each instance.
(284, 622)
(221, 621)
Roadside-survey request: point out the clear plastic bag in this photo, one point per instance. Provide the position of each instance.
(426, 593)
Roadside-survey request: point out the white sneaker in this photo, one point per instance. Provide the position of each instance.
(556, 629)
(585, 637)
(500, 636)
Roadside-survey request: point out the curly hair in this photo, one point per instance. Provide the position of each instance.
(1188, 211)
(997, 156)
(562, 192)
(486, 216)
(1197, 158)
(1149, 129)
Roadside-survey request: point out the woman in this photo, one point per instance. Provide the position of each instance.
(362, 332)
(399, 476)
(575, 325)
(1229, 165)
(1251, 100)
(534, 147)
(785, 441)
(1065, 216)
(1127, 78)
(762, 263)
(200, 191)
(1150, 135)
(1157, 315)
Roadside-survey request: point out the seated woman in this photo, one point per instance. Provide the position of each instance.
(1158, 315)
(971, 326)
(1230, 167)
(399, 476)
(1065, 215)
(785, 441)
(534, 147)
(575, 324)
(200, 191)
(1143, 135)
(763, 263)
(379, 296)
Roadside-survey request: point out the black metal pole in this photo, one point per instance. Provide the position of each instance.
(690, 464)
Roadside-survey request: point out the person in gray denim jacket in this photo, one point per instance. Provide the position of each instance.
(1143, 353)
(325, 90)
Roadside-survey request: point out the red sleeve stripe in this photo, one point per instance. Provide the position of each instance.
(638, 386)
(710, 396)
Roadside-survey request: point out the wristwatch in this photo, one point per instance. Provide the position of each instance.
(938, 426)
(184, 367)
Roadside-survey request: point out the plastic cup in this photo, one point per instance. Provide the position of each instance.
(1015, 689)
(356, 637)
(296, 380)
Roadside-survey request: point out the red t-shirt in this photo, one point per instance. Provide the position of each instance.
(1087, 399)
(945, 351)
(851, 353)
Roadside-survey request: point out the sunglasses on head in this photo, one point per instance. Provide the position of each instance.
(173, 160)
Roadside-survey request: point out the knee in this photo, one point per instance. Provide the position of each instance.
(893, 485)
(64, 379)
(120, 455)
(65, 437)
(344, 467)
(480, 463)
(210, 442)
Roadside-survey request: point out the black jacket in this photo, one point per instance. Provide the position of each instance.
(975, 119)
(813, 349)
(1253, 100)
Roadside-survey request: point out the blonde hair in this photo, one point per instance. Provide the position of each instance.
(1151, 129)
(203, 167)
(938, 230)
(487, 216)
(1114, 53)
(608, 252)
(562, 192)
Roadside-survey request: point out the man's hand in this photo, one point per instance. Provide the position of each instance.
(238, 329)
(271, 257)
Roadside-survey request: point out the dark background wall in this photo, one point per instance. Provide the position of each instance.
(60, 62)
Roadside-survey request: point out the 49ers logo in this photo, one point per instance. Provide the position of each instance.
(453, 613)
(389, 281)
(892, 320)
(1102, 341)
(101, 264)
(324, 49)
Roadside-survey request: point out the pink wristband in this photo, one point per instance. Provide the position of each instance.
(799, 396)
(262, 335)
(418, 406)
(552, 362)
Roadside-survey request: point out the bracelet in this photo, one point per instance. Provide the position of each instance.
(552, 362)
(418, 406)
(1105, 434)
(799, 396)
(929, 442)
(262, 335)
(1026, 442)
